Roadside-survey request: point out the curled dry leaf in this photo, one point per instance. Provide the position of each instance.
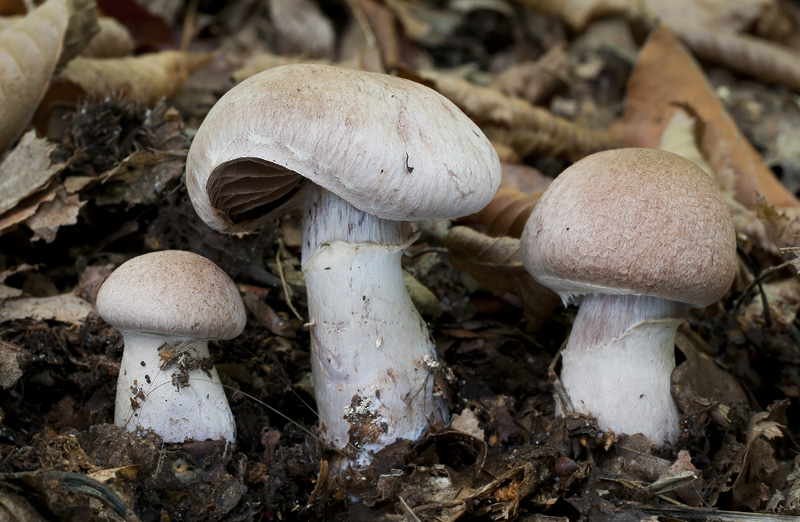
(113, 41)
(653, 95)
(507, 213)
(536, 81)
(496, 264)
(144, 78)
(81, 28)
(302, 28)
(761, 59)
(577, 13)
(29, 51)
(517, 123)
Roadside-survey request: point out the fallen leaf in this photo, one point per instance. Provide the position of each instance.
(653, 95)
(145, 78)
(51, 215)
(495, 263)
(25, 170)
(66, 308)
(29, 52)
(10, 358)
(507, 213)
(527, 129)
(302, 28)
(766, 61)
(578, 13)
(535, 82)
(112, 41)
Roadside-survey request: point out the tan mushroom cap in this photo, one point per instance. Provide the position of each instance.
(390, 147)
(172, 292)
(633, 221)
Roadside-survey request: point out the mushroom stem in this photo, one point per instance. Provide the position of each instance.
(198, 410)
(618, 362)
(371, 354)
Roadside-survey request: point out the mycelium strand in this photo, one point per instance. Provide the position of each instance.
(618, 362)
(372, 357)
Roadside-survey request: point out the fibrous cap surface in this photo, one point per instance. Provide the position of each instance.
(633, 221)
(175, 293)
(390, 147)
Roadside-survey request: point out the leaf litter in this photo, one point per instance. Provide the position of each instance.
(546, 83)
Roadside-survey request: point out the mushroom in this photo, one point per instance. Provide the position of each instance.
(366, 154)
(636, 236)
(167, 305)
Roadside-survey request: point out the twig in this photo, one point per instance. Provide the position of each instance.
(287, 291)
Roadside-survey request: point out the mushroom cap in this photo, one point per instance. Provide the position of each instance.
(632, 221)
(390, 147)
(175, 293)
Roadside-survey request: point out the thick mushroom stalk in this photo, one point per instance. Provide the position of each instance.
(618, 361)
(372, 356)
(176, 392)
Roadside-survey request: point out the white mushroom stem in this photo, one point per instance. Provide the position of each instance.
(147, 398)
(618, 362)
(372, 357)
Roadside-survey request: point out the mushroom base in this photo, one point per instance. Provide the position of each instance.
(618, 362)
(148, 397)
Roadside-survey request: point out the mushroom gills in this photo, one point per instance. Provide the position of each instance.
(250, 188)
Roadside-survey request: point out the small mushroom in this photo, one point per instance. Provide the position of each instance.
(167, 305)
(635, 236)
(366, 154)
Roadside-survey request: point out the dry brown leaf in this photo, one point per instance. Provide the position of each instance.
(145, 78)
(113, 41)
(81, 28)
(51, 215)
(383, 28)
(653, 93)
(782, 229)
(507, 213)
(66, 308)
(536, 81)
(763, 60)
(495, 263)
(25, 170)
(302, 28)
(577, 13)
(517, 123)
(29, 52)
(718, 14)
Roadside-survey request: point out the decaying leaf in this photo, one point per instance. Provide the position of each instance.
(761, 59)
(699, 377)
(66, 308)
(496, 264)
(761, 472)
(507, 213)
(29, 52)
(25, 170)
(783, 228)
(144, 78)
(142, 177)
(536, 81)
(577, 13)
(303, 28)
(11, 356)
(81, 28)
(51, 215)
(653, 95)
(112, 41)
(527, 129)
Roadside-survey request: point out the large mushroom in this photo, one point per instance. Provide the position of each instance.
(167, 305)
(366, 154)
(635, 236)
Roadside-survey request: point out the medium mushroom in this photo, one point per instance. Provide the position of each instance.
(167, 305)
(635, 236)
(366, 154)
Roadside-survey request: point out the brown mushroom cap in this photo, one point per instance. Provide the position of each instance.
(633, 221)
(388, 146)
(172, 292)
